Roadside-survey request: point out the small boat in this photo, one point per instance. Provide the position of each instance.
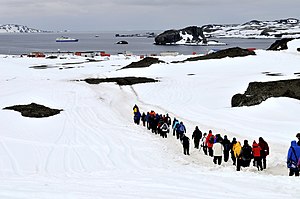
(66, 39)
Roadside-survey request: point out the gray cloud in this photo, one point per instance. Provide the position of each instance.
(140, 14)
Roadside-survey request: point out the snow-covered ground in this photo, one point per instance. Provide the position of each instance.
(93, 149)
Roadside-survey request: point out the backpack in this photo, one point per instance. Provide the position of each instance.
(164, 127)
(181, 128)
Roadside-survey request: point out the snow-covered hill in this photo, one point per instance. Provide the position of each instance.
(14, 28)
(93, 150)
(256, 29)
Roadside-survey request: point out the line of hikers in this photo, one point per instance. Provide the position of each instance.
(216, 146)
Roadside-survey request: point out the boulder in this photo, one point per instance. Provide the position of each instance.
(257, 92)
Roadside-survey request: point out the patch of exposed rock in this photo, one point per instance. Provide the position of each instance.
(230, 52)
(122, 81)
(280, 44)
(146, 62)
(34, 110)
(257, 92)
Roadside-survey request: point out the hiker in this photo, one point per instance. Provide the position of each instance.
(218, 151)
(181, 130)
(257, 156)
(245, 156)
(264, 151)
(143, 118)
(147, 119)
(226, 145)
(232, 145)
(210, 142)
(175, 125)
(293, 158)
(197, 135)
(137, 117)
(298, 136)
(164, 130)
(203, 143)
(168, 120)
(186, 145)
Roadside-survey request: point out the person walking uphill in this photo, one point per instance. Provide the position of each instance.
(245, 156)
(293, 158)
(197, 135)
(257, 156)
(186, 145)
(264, 151)
(226, 145)
(218, 151)
(209, 143)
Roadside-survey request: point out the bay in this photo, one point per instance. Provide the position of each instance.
(24, 43)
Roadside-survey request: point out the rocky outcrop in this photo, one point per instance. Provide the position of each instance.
(229, 52)
(257, 92)
(280, 44)
(121, 81)
(34, 110)
(173, 36)
(146, 62)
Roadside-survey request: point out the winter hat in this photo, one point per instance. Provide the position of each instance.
(298, 135)
(245, 142)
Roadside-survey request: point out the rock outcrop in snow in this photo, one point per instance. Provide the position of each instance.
(257, 92)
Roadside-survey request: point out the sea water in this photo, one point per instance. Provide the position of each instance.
(24, 43)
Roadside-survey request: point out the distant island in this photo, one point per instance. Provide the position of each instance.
(14, 28)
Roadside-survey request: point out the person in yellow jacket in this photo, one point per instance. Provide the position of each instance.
(237, 149)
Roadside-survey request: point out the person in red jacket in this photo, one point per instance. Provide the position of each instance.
(264, 151)
(209, 143)
(257, 156)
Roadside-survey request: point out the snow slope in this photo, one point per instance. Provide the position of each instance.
(93, 149)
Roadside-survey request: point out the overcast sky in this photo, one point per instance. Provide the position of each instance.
(100, 15)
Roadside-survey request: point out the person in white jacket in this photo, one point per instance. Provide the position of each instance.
(218, 152)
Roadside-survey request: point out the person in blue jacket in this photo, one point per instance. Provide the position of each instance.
(292, 158)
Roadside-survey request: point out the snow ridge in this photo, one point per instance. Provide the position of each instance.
(14, 28)
(255, 29)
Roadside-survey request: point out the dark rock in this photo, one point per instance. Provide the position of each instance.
(280, 44)
(122, 81)
(146, 62)
(122, 42)
(257, 92)
(34, 110)
(230, 52)
(173, 36)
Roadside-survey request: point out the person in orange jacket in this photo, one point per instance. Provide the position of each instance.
(257, 156)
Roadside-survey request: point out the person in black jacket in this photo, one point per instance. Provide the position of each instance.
(197, 135)
(186, 144)
(226, 146)
(245, 156)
